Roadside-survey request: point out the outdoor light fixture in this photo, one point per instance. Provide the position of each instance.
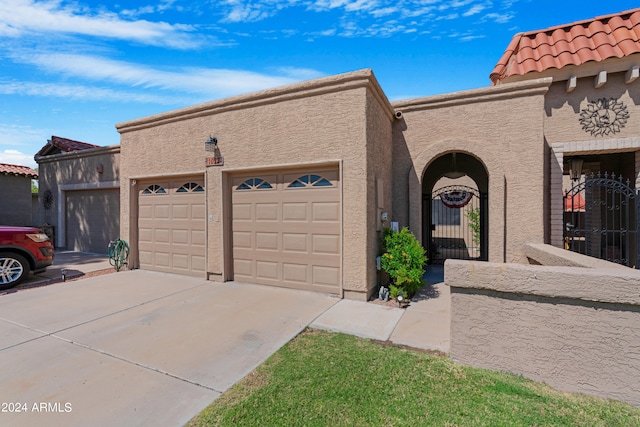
(454, 173)
(211, 144)
(575, 168)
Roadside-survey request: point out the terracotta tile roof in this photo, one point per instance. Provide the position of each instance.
(7, 169)
(59, 145)
(597, 39)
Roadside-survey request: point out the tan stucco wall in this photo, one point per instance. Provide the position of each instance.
(77, 170)
(15, 197)
(502, 127)
(573, 328)
(328, 121)
(379, 179)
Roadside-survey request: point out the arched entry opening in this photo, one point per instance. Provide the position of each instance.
(455, 208)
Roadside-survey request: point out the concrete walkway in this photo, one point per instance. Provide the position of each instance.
(145, 348)
(424, 324)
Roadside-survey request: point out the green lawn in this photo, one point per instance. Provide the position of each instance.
(327, 379)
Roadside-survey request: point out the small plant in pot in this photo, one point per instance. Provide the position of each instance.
(403, 259)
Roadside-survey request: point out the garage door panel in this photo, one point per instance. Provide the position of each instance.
(198, 263)
(325, 275)
(328, 244)
(180, 212)
(295, 242)
(180, 261)
(267, 241)
(289, 235)
(243, 267)
(198, 212)
(162, 259)
(198, 237)
(294, 211)
(162, 235)
(267, 270)
(146, 257)
(161, 211)
(242, 212)
(180, 236)
(266, 212)
(325, 211)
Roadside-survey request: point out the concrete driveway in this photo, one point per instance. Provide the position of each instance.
(137, 347)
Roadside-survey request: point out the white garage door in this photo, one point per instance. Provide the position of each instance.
(92, 219)
(171, 226)
(287, 229)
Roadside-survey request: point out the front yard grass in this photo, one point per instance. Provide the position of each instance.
(327, 379)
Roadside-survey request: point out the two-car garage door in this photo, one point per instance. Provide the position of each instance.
(287, 229)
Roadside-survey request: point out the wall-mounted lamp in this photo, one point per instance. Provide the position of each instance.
(384, 216)
(575, 168)
(212, 145)
(100, 168)
(133, 182)
(454, 173)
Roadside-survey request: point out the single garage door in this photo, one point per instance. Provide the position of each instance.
(171, 226)
(92, 219)
(287, 229)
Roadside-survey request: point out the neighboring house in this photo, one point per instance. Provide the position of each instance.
(291, 186)
(79, 193)
(15, 194)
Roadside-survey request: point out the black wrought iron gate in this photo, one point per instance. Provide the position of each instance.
(601, 219)
(456, 224)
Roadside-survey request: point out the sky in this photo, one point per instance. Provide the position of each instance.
(76, 68)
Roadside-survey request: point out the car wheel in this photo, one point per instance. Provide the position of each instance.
(14, 269)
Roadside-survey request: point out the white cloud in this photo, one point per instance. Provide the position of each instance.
(15, 157)
(81, 92)
(500, 18)
(14, 135)
(24, 17)
(248, 13)
(475, 9)
(204, 82)
(383, 11)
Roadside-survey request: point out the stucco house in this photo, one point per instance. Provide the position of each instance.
(15, 194)
(79, 193)
(291, 186)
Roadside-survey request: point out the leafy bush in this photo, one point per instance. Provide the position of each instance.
(404, 261)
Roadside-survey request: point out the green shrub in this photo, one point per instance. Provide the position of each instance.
(404, 259)
(473, 215)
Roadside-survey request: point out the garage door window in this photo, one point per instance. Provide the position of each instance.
(254, 184)
(311, 180)
(190, 187)
(154, 189)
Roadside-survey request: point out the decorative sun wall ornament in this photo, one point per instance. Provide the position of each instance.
(605, 116)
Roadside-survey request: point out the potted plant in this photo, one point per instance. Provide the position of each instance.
(403, 259)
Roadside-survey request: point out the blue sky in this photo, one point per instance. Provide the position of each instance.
(76, 68)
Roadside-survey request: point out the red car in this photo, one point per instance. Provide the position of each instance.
(22, 249)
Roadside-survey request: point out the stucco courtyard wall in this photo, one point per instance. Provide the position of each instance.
(328, 121)
(501, 127)
(575, 328)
